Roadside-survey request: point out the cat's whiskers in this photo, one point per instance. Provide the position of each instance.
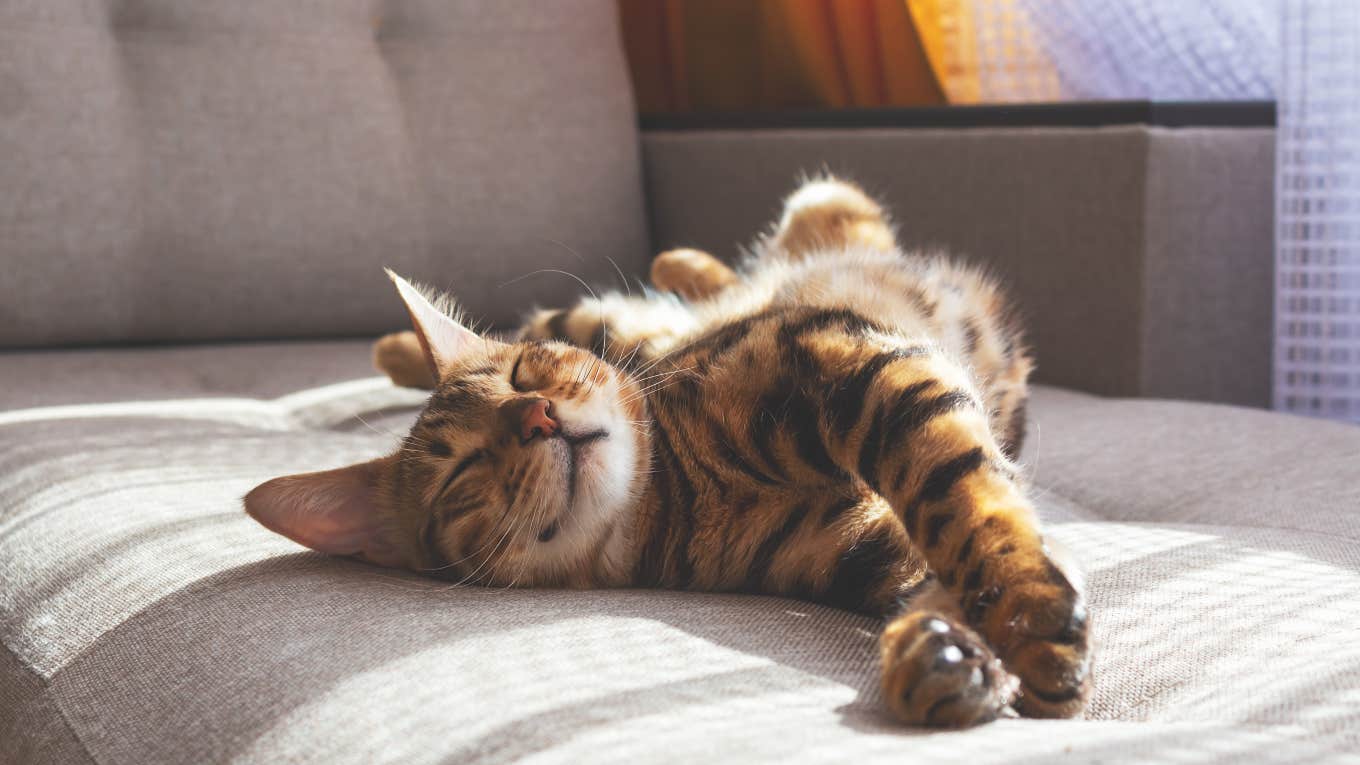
(380, 431)
(651, 364)
(604, 326)
(505, 519)
(1029, 471)
(540, 512)
(514, 522)
(655, 387)
(516, 505)
(405, 585)
(406, 441)
(528, 513)
(595, 362)
(661, 375)
(632, 356)
(472, 554)
(626, 286)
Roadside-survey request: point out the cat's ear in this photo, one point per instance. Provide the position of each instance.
(442, 339)
(333, 511)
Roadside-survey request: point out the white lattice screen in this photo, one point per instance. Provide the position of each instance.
(1303, 53)
(1317, 343)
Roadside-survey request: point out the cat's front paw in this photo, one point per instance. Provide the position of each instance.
(692, 274)
(941, 674)
(400, 357)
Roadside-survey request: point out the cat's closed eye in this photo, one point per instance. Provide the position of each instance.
(458, 470)
(514, 375)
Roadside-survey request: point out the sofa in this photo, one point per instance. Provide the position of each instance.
(196, 202)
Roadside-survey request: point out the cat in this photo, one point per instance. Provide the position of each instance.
(835, 420)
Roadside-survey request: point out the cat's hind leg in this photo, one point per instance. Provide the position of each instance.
(827, 213)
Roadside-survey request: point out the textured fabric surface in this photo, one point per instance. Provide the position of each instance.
(198, 169)
(251, 370)
(1141, 257)
(1208, 215)
(145, 618)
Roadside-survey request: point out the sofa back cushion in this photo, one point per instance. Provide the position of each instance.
(201, 170)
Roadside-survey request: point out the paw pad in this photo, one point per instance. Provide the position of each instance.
(941, 674)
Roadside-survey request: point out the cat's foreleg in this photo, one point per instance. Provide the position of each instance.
(907, 422)
(400, 357)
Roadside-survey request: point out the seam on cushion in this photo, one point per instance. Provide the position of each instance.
(66, 721)
(1308, 532)
(1191, 525)
(55, 702)
(297, 411)
(1225, 525)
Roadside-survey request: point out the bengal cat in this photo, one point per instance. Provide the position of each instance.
(835, 421)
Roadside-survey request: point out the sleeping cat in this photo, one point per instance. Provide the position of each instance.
(835, 421)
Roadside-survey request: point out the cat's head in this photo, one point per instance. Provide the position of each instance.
(522, 468)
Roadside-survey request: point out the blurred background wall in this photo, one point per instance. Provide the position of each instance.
(704, 56)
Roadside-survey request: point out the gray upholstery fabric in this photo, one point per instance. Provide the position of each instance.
(1142, 258)
(198, 169)
(144, 618)
(1209, 266)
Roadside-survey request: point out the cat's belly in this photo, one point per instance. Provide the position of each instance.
(919, 300)
(886, 287)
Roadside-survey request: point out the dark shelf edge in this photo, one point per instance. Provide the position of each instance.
(1230, 114)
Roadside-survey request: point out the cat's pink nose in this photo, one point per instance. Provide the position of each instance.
(535, 420)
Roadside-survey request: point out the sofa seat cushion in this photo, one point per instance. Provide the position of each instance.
(44, 378)
(145, 618)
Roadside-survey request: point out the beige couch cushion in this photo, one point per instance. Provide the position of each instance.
(231, 169)
(144, 618)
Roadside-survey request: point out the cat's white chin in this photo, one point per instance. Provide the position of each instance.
(595, 468)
